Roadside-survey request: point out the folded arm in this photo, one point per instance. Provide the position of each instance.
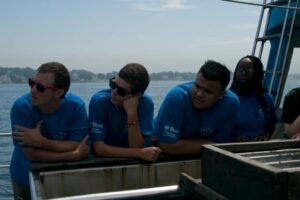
(80, 152)
(293, 129)
(32, 137)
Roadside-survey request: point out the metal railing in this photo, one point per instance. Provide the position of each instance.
(4, 135)
(5, 193)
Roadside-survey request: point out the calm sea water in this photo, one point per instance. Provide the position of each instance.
(10, 92)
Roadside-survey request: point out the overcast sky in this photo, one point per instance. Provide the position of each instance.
(104, 35)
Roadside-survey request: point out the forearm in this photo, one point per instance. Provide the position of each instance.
(38, 155)
(181, 147)
(102, 149)
(57, 146)
(271, 131)
(293, 128)
(135, 138)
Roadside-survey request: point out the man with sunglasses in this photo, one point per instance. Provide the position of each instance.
(198, 112)
(121, 117)
(49, 125)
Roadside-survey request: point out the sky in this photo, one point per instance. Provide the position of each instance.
(104, 35)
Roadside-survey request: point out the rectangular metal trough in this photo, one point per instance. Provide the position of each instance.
(188, 188)
(256, 170)
(48, 183)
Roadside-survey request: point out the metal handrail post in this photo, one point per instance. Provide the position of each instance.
(279, 49)
(258, 28)
(285, 55)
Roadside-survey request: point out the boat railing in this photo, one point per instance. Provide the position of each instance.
(4, 135)
(5, 191)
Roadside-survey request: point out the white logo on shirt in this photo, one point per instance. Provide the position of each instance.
(169, 131)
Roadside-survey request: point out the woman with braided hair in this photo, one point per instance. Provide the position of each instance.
(256, 117)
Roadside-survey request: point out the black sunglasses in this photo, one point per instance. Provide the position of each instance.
(113, 85)
(40, 87)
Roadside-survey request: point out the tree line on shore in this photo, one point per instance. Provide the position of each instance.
(20, 75)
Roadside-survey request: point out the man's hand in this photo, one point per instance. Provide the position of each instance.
(150, 153)
(296, 136)
(242, 138)
(82, 150)
(131, 104)
(261, 138)
(29, 137)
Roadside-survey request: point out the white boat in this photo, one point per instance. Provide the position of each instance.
(99, 177)
(111, 178)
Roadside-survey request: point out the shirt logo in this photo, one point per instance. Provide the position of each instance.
(96, 128)
(169, 131)
(206, 132)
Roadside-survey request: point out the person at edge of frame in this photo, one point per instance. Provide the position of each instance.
(291, 114)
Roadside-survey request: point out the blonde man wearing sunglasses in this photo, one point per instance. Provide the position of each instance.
(121, 117)
(49, 125)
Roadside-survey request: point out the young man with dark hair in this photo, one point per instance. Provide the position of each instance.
(49, 125)
(198, 112)
(121, 117)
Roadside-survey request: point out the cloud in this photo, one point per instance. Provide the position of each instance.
(162, 5)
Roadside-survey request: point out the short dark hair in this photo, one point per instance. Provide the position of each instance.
(62, 78)
(136, 75)
(214, 71)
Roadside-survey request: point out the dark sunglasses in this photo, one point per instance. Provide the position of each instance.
(40, 87)
(113, 85)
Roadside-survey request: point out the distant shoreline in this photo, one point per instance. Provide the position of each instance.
(101, 81)
(21, 75)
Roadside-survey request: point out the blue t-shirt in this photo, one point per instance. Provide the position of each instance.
(108, 122)
(251, 120)
(179, 119)
(68, 122)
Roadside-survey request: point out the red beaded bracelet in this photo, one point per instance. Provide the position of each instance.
(134, 122)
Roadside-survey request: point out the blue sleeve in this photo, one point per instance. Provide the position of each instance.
(273, 117)
(98, 128)
(79, 122)
(21, 115)
(169, 119)
(225, 131)
(146, 117)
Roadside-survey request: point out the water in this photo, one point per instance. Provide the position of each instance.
(9, 92)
